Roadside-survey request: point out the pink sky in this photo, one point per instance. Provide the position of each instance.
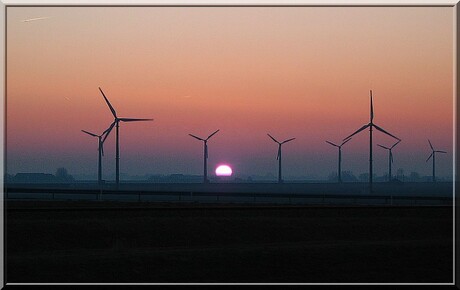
(301, 72)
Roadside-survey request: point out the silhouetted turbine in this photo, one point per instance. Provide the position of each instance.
(278, 157)
(205, 167)
(116, 123)
(433, 154)
(390, 158)
(371, 125)
(340, 157)
(101, 153)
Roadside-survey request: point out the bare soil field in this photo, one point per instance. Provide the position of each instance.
(115, 242)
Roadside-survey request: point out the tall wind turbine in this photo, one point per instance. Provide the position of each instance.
(278, 157)
(340, 157)
(390, 158)
(205, 143)
(433, 154)
(371, 125)
(116, 123)
(101, 153)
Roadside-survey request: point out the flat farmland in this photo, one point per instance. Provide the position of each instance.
(85, 242)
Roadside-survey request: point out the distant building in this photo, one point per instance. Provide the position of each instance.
(33, 178)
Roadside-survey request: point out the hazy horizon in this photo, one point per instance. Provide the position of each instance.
(302, 72)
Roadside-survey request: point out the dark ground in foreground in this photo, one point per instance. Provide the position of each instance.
(226, 244)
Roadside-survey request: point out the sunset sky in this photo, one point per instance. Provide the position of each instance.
(302, 72)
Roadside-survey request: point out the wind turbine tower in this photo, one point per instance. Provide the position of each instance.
(116, 123)
(205, 159)
(101, 153)
(278, 157)
(371, 125)
(433, 154)
(340, 157)
(390, 158)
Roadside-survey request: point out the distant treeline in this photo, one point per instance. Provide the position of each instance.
(348, 176)
(62, 175)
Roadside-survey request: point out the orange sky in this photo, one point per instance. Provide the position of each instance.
(301, 72)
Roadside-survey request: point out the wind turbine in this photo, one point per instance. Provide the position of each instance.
(371, 125)
(340, 157)
(101, 153)
(433, 153)
(116, 123)
(390, 158)
(278, 157)
(205, 143)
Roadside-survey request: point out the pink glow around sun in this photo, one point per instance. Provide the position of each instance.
(223, 170)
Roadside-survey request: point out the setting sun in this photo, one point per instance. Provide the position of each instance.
(223, 170)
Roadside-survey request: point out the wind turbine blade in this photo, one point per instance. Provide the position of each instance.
(288, 140)
(273, 138)
(357, 131)
(89, 133)
(133, 120)
(383, 146)
(108, 131)
(383, 131)
(372, 109)
(196, 137)
(102, 149)
(395, 144)
(429, 157)
(332, 144)
(212, 134)
(206, 149)
(430, 144)
(279, 152)
(345, 142)
(391, 156)
(440, 151)
(114, 113)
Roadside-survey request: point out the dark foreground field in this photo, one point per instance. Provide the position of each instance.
(228, 244)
